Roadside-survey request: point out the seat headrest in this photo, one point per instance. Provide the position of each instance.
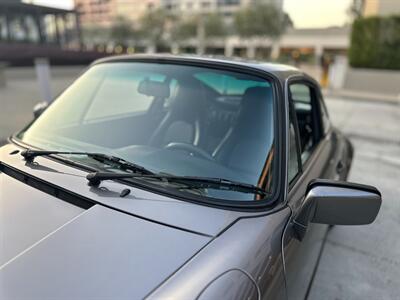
(256, 103)
(188, 101)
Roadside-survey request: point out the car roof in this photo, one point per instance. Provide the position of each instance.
(279, 70)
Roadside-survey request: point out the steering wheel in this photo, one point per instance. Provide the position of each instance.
(191, 149)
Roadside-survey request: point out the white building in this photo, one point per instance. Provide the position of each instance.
(380, 7)
(224, 7)
(104, 12)
(313, 42)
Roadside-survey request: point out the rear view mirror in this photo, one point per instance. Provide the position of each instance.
(154, 88)
(337, 203)
(39, 108)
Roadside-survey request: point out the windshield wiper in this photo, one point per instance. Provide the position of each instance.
(30, 155)
(191, 181)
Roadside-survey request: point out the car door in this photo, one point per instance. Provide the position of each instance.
(311, 148)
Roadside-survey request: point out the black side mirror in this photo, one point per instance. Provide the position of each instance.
(337, 203)
(39, 108)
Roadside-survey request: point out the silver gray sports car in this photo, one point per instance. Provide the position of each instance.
(172, 177)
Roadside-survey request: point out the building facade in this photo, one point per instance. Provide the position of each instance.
(30, 31)
(369, 8)
(104, 12)
(34, 24)
(224, 7)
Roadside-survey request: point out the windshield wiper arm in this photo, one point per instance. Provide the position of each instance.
(30, 155)
(193, 182)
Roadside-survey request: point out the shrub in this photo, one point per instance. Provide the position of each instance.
(375, 43)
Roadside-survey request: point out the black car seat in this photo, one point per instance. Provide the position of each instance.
(183, 123)
(247, 145)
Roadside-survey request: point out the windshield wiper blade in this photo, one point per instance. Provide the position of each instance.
(30, 155)
(191, 181)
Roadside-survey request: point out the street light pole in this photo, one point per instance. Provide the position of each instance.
(201, 35)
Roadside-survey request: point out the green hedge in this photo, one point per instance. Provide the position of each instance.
(375, 43)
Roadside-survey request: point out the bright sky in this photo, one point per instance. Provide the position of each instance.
(317, 13)
(304, 13)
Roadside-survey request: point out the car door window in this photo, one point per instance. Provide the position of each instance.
(306, 109)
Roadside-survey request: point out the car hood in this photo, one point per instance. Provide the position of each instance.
(50, 249)
(114, 248)
(191, 217)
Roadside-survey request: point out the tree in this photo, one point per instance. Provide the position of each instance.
(375, 42)
(287, 21)
(122, 30)
(153, 25)
(93, 35)
(183, 29)
(261, 20)
(214, 26)
(356, 9)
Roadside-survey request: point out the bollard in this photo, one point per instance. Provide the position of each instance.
(3, 81)
(42, 67)
(337, 72)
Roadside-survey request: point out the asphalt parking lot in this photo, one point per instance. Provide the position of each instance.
(360, 262)
(363, 262)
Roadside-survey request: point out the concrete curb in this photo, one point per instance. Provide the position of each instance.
(362, 96)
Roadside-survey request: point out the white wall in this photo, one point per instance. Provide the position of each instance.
(373, 81)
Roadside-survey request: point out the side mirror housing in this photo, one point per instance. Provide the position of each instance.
(337, 203)
(39, 108)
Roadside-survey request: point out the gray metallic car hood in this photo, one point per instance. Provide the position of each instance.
(162, 209)
(119, 248)
(50, 249)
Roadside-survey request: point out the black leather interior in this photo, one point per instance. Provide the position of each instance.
(184, 120)
(247, 143)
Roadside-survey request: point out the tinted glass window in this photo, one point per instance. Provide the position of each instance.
(228, 85)
(171, 119)
(306, 109)
(123, 88)
(3, 27)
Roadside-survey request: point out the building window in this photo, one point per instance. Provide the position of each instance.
(205, 4)
(32, 31)
(228, 2)
(3, 28)
(49, 25)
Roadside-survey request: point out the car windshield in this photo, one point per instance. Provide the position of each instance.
(172, 119)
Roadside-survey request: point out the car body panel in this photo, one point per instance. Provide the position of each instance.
(100, 254)
(213, 60)
(173, 212)
(301, 257)
(28, 215)
(233, 284)
(252, 245)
